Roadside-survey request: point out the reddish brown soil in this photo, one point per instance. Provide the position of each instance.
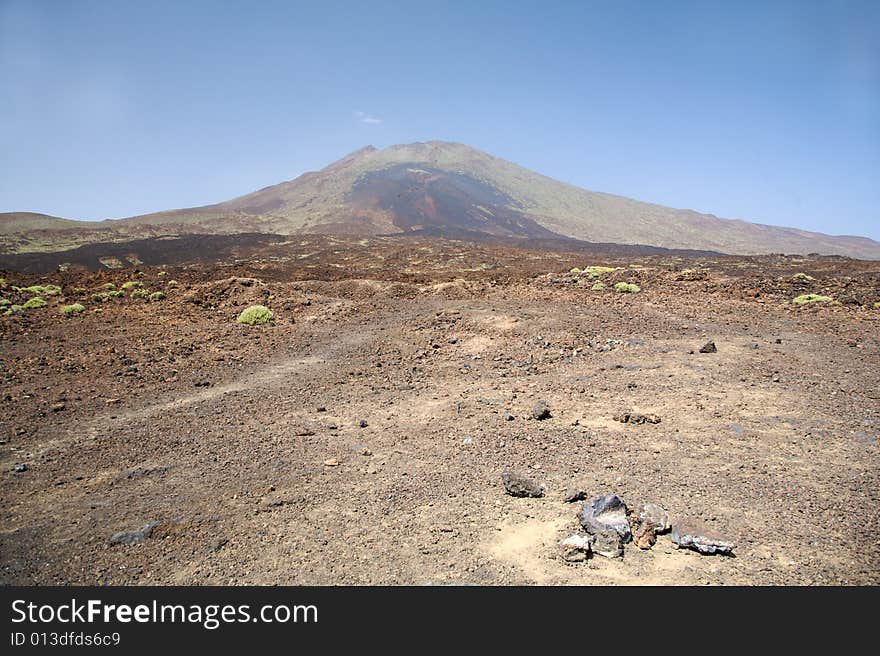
(172, 412)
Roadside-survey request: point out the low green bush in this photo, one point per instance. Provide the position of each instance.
(33, 303)
(804, 299)
(76, 308)
(157, 296)
(139, 293)
(599, 287)
(132, 284)
(627, 288)
(256, 314)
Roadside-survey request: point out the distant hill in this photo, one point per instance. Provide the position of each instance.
(440, 189)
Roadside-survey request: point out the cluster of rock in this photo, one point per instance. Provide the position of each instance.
(609, 524)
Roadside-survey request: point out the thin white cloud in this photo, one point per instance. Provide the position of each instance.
(367, 119)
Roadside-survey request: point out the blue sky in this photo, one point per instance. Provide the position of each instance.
(765, 111)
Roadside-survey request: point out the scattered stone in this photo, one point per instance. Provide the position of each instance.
(576, 548)
(304, 430)
(541, 411)
(331, 462)
(709, 347)
(608, 544)
(691, 534)
(636, 418)
(509, 417)
(133, 537)
(574, 494)
(468, 440)
(366, 452)
(453, 340)
(217, 544)
(321, 408)
(203, 383)
(363, 423)
(517, 485)
(651, 520)
(20, 468)
(606, 513)
(58, 407)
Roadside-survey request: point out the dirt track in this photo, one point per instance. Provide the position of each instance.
(772, 440)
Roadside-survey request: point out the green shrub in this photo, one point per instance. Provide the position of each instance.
(802, 277)
(157, 296)
(173, 283)
(139, 293)
(627, 288)
(596, 271)
(599, 287)
(4, 302)
(115, 293)
(43, 290)
(162, 273)
(804, 299)
(132, 284)
(574, 270)
(100, 297)
(14, 309)
(109, 285)
(256, 314)
(35, 302)
(877, 305)
(76, 308)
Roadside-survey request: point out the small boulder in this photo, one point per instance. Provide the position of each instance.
(574, 494)
(709, 347)
(576, 548)
(608, 544)
(650, 520)
(541, 411)
(691, 534)
(606, 513)
(517, 485)
(133, 537)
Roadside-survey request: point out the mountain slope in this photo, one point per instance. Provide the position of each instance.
(444, 189)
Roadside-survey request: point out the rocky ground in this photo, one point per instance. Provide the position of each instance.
(362, 437)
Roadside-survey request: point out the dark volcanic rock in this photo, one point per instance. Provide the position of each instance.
(517, 485)
(691, 534)
(708, 347)
(606, 513)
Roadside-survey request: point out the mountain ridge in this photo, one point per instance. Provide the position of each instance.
(436, 186)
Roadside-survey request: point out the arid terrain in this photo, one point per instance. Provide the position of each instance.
(361, 437)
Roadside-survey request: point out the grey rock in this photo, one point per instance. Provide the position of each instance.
(606, 513)
(517, 485)
(654, 514)
(691, 534)
(509, 417)
(133, 537)
(453, 340)
(541, 411)
(363, 423)
(576, 548)
(709, 347)
(608, 544)
(20, 468)
(575, 494)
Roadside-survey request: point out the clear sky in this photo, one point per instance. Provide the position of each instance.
(766, 111)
